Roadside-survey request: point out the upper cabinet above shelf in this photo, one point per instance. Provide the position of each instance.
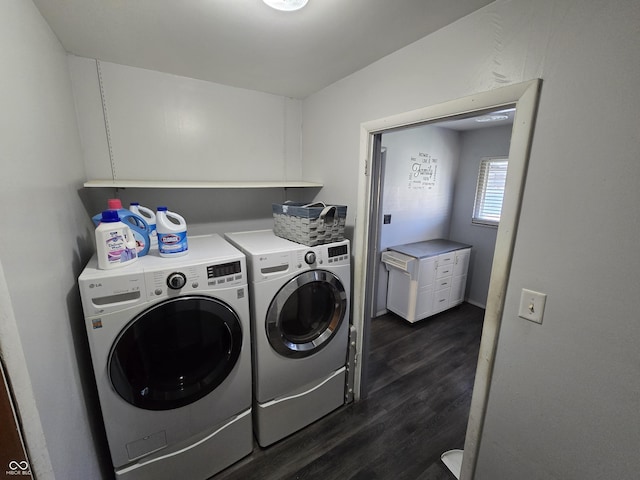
(188, 184)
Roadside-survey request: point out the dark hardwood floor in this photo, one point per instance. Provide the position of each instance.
(419, 383)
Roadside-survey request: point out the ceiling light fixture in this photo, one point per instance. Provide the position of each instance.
(286, 5)
(492, 118)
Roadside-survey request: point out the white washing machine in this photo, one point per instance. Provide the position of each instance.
(170, 344)
(300, 325)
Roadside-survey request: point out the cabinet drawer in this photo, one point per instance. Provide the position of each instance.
(441, 300)
(444, 271)
(446, 258)
(443, 283)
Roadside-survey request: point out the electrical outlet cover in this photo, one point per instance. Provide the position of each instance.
(532, 305)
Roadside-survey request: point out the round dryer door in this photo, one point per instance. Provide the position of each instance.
(306, 313)
(175, 353)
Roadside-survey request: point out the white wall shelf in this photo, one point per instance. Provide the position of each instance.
(193, 184)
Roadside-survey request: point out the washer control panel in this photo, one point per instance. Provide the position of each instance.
(176, 280)
(193, 278)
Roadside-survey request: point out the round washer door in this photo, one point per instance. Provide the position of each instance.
(175, 353)
(306, 313)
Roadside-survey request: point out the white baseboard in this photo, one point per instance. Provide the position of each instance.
(476, 304)
(379, 313)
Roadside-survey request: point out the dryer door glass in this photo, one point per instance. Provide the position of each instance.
(175, 353)
(306, 313)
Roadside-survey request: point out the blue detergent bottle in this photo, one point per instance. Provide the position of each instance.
(139, 227)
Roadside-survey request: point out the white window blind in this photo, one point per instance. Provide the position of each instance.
(490, 191)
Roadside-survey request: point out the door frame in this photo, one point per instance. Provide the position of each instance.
(524, 96)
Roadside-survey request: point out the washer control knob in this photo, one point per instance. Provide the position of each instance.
(310, 258)
(176, 280)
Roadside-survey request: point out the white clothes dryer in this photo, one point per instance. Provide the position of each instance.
(170, 345)
(299, 299)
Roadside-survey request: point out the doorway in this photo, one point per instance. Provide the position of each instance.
(429, 177)
(524, 97)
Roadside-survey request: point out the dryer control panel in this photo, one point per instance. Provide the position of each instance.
(338, 253)
(324, 255)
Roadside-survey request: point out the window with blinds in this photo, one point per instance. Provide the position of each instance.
(490, 191)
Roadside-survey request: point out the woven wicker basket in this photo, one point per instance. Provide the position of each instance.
(309, 224)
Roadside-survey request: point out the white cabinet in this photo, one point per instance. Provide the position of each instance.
(410, 290)
(426, 278)
(452, 279)
(459, 276)
(444, 271)
(402, 293)
(425, 285)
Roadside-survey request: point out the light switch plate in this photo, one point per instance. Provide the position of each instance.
(532, 305)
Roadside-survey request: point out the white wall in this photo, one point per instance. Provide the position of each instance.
(167, 127)
(45, 239)
(564, 394)
(475, 145)
(419, 202)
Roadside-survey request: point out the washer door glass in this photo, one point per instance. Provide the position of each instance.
(175, 353)
(306, 313)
